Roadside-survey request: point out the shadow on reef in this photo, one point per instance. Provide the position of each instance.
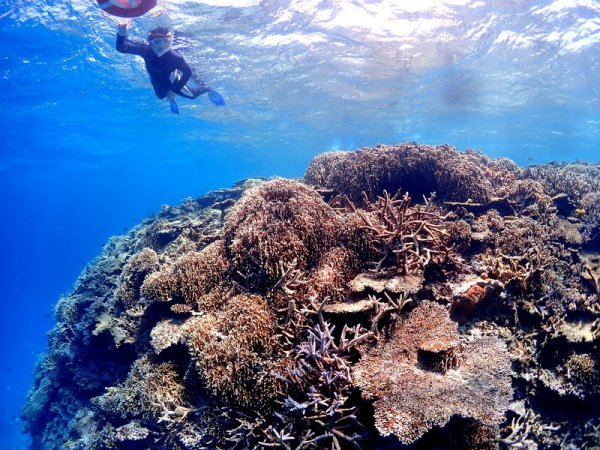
(398, 297)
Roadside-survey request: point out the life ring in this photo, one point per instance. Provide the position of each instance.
(126, 8)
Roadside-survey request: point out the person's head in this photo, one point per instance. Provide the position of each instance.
(160, 40)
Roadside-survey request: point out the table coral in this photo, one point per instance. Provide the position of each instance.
(412, 395)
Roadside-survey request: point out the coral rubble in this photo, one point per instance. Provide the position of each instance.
(402, 296)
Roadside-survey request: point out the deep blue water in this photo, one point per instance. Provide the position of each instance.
(86, 151)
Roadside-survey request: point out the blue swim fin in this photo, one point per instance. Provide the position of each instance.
(174, 107)
(216, 98)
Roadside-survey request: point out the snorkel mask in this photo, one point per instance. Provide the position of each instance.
(160, 40)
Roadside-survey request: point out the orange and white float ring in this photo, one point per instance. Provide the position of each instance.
(126, 8)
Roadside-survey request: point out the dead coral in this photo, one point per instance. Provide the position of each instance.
(370, 282)
(412, 395)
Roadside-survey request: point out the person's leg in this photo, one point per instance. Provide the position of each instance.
(201, 87)
(199, 90)
(192, 93)
(160, 92)
(188, 92)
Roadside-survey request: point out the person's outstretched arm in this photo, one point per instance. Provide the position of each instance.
(125, 45)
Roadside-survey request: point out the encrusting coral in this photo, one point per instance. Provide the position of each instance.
(404, 296)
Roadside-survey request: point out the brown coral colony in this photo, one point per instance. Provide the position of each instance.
(403, 296)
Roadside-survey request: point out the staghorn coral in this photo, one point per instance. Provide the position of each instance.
(433, 378)
(408, 238)
(317, 410)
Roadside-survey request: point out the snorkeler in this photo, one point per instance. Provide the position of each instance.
(168, 71)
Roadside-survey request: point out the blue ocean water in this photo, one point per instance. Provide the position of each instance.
(87, 151)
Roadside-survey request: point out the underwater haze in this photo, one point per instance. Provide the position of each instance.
(88, 151)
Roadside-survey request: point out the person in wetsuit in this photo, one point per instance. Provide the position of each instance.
(168, 70)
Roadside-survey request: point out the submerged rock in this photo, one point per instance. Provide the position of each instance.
(353, 309)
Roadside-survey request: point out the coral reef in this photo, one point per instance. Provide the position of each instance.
(404, 296)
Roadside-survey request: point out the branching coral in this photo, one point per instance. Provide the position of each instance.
(409, 238)
(590, 216)
(190, 278)
(280, 221)
(527, 198)
(578, 376)
(135, 271)
(317, 411)
(576, 180)
(231, 349)
(433, 378)
(335, 269)
(151, 391)
(418, 169)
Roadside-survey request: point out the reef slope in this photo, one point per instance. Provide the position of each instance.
(404, 296)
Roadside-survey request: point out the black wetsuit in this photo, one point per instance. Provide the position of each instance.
(160, 68)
